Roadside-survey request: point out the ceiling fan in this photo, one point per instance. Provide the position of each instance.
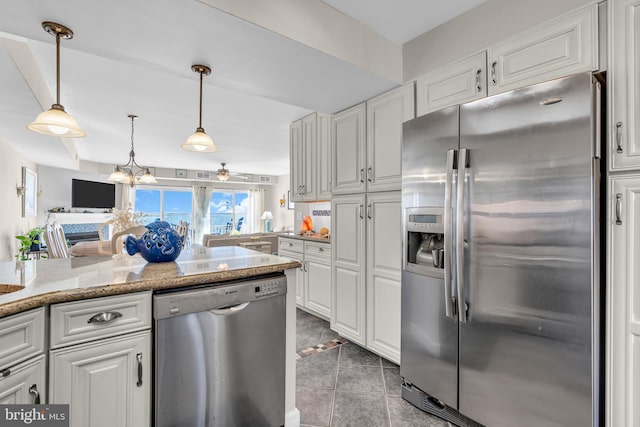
(223, 174)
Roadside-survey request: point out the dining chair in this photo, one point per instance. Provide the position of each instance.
(183, 229)
(117, 240)
(104, 230)
(56, 241)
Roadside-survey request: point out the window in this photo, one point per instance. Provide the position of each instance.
(229, 210)
(169, 204)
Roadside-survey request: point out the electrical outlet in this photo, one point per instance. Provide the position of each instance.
(299, 216)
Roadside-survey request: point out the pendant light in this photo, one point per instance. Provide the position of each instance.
(126, 174)
(56, 121)
(199, 140)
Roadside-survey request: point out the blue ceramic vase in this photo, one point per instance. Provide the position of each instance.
(160, 243)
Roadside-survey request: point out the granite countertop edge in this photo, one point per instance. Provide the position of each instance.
(307, 238)
(163, 282)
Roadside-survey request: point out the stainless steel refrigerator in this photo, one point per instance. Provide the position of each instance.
(501, 283)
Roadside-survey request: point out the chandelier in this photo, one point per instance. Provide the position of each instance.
(128, 173)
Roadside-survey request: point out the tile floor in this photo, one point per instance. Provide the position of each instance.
(348, 385)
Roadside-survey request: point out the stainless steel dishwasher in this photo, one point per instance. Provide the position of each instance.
(220, 355)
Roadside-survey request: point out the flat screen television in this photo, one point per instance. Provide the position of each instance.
(93, 195)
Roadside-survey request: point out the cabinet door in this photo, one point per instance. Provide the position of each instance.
(24, 383)
(102, 383)
(323, 163)
(384, 253)
(348, 267)
(462, 81)
(318, 284)
(623, 322)
(309, 158)
(296, 161)
(559, 47)
(300, 276)
(624, 84)
(385, 115)
(348, 149)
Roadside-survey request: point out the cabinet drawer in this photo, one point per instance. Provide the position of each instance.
(317, 250)
(21, 337)
(80, 321)
(291, 245)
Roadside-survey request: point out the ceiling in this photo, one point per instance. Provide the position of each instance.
(129, 58)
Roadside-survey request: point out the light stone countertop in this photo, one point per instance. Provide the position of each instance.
(326, 239)
(49, 281)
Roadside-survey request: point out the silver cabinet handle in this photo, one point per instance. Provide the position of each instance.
(619, 137)
(33, 390)
(320, 249)
(493, 72)
(104, 317)
(290, 244)
(306, 266)
(619, 209)
(478, 85)
(462, 164)
(139, 357)
(448, 233)
(229, 310)
(369, 211)
(304, 189)
(369, 174)
(360, 210)
(362, 175)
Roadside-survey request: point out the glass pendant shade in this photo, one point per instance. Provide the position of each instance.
(223, 176)
(147, 178)
(56, 122)
(199, 141)
(117, 175)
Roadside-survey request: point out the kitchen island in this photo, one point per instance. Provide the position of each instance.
(41, 283)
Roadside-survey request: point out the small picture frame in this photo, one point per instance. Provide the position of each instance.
(181, 173)
(30, 184)
(290, 204)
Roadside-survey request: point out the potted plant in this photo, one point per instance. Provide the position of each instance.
(30, 241)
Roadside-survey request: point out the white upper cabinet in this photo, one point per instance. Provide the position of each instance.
(559, 47)
(385, 115)
(348, 148)
(624, 84)
(462, 81)
(309, 144)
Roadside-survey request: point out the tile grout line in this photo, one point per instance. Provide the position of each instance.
(386, 396)
(335, 386)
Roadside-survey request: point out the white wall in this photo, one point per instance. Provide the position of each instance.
(477, 29)
(56, 188)
(282, 217)
(11, 221)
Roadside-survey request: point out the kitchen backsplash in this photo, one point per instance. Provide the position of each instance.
(320, 214)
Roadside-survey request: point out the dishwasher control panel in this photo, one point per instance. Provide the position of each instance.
(270, 287)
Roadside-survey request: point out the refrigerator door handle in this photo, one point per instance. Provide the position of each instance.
(448, 233)
(462, 165)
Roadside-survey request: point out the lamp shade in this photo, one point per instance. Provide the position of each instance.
(147, 178)
(56, 122)
(267, 215)
(117, 175)
(199, 141)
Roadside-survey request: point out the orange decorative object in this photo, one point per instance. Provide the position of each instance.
(307, 224)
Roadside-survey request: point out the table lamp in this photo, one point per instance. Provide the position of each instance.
(267, 216)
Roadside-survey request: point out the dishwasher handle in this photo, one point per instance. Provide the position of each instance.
(230, 310)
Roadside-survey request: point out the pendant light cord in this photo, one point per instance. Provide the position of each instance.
(200, 124)
(58, 68)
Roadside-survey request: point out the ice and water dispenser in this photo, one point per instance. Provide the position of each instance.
(424, 244)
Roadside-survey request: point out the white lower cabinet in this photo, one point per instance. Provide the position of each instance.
(366, 264)
(317, 266)
(24, 383)
(313, 278)
(623, 302)
(106, 382)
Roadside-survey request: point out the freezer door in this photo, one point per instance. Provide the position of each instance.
(429, 339)
(528, 232)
